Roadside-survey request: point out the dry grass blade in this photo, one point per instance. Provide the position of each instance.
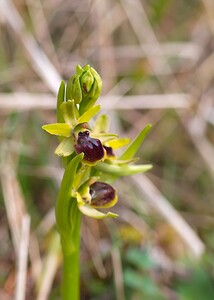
(23, 259)
(118, 274)
(25, 101)
(51, 263)
(39, 61)
(158, 201)
(13, 202)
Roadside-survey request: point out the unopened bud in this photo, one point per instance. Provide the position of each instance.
(84, 87)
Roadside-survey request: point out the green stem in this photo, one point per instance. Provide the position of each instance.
(71, 272)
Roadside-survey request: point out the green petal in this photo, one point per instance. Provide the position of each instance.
(86, 117)
(65, 148)
(122, 170)
(103, 137)
(118, 143)
(61, 129)
(133, 147)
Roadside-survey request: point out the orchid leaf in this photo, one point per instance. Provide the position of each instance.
(86, 117)
(65, 197)
(122, 170)
(65, 148)
(61, 129)
(134, 146)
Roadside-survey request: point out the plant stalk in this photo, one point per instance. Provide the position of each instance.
(71, 272)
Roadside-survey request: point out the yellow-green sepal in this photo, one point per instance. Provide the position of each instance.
(65, 148)
(60, 129)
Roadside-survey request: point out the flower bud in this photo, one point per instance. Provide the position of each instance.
(91, 85)
(103, 195)
(92, 148)
(84, 87)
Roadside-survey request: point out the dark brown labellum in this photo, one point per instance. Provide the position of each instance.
(101, 193)
(92, 148)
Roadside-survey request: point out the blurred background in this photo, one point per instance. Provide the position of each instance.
(156, 60)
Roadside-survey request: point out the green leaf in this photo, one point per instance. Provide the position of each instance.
(143, 284)
(101, 124)
(122, 170)
(61, 129)
(86, 117)
(134, 146)
(60, 100)
(69, 112)
(65, 148)
(140, 258)
(198, 286)
(64, 200)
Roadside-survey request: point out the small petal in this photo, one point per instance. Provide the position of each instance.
(88, 115)
(118, 143)
(109, 151)
(94, 213)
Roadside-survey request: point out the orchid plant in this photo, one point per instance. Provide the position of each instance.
(91, 166)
